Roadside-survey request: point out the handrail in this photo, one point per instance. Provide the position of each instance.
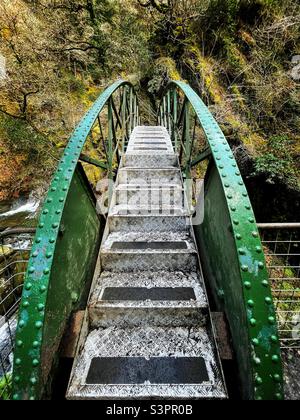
(278, 225)
(29, 370)
(264, 357)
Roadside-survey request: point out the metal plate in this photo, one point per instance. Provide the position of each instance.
(155, 294)
(138, 370)
(149, 245)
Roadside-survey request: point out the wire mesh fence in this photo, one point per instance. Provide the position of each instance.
(282, 249)
(15, 245)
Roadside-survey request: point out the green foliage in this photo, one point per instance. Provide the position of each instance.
(5, 387)
(20, 136)
(277, 162)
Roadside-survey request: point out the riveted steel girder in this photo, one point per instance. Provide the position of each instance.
(62, 261)
(233, 256)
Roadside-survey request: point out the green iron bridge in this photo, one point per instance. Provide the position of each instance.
(134, 290)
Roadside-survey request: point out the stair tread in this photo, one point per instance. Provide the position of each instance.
(161, 210)
(150, 280)
(147, 344)
(174, 242)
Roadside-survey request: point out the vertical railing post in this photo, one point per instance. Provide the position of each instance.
(175, 116)
(110, 150)
(124, 122)
(164, 113)
(161, 115)
(131, 110)
(169, 112)
(188, 145)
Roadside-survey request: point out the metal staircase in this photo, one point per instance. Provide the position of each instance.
(147, 330)
(150, 334)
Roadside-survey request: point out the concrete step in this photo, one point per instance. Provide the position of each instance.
(147, 195)
(138, 251)
(148, 298)
(147, 363)
(153, 177)
(146, 223)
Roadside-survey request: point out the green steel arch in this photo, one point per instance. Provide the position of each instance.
(230, 247)
(65, 247)
(67, 242)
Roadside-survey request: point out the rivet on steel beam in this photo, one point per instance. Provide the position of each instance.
(18, 362)
(28, 286)
(255, 342)
(38, 325)
(41, 225)
(25, 304)
(261, 265)
(17, 379)
(245, 268)
(49, 255)
(16, 397)
(35, 344)
(258, 381)
(239, 237)
(257, 361)
(275, 359)
(19, 343)
(35, 362)
(253, 322)
(251, 303)
(277, 378)
(35, 254)
(233, 208)
(55, 225)
(272, 320)
(248, 285)
(265, 283)
(33, 381)
(46, 271)
(52, 240)
(242, 251)
(268, 300)
(41, 307)
(46, 211)
(255, 234)
(274, 339)
(38, 240)
(31, 270)
(236, 222)
(43, 289)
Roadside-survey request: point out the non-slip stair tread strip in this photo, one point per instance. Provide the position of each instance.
(151, 294)
(166, 245)
(138, 370)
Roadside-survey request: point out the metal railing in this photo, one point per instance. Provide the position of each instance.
(15, 245)
(282, 249)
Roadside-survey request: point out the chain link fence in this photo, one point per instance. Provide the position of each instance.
(15, 245)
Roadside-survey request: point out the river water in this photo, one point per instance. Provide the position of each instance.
(22, 212)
